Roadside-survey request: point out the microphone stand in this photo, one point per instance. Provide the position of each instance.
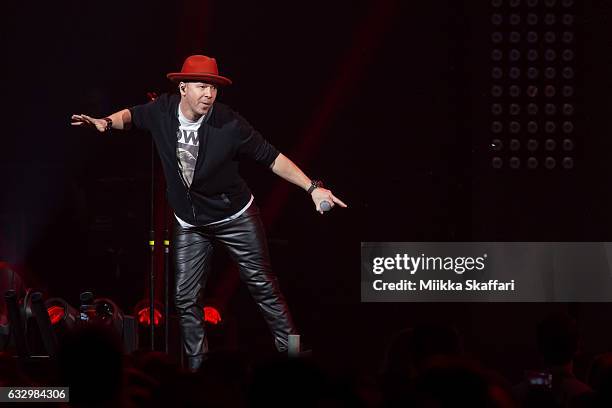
(152, 96)
(166, 286)
(152, 251)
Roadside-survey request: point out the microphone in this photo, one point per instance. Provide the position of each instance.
(325, 206)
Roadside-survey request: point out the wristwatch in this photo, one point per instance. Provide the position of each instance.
(109, 124)
(314, 184)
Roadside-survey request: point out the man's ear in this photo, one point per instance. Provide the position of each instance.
(182, 86)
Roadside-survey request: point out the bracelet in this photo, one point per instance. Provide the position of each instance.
(109, 124)
(314, 184)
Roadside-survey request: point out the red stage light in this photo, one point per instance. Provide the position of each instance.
(145, 319)
(211, 315)
(56, 314)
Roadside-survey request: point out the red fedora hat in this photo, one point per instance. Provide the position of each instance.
(199, 67)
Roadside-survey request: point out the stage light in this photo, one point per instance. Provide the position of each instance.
(86, 310)
(142, 313)
(496, 127)
(108, 313)
(56, 313)
(61, 313)
(515, 163)
(211, 315)
(532, 91)
(532, 37)
(544, 80)
(532, 127)
(568, 163)
(515, 91)
(532, 55)
(568, 145)
(532, 19)
(515, 127)
(43, 321)
(144, 317)
(105, 312)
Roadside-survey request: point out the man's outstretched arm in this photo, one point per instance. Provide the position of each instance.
(120, 120)
(288, 170)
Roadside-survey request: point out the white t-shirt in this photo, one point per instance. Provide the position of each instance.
(187, 147)
(188, 144)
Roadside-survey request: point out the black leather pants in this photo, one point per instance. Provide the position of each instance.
(245, 240)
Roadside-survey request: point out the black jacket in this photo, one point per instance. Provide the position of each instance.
(217, 190)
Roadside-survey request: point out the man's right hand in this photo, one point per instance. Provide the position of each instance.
(84, 120)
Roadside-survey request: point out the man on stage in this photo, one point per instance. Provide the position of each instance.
(200, 143)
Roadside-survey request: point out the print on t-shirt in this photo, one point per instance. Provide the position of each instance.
(187, 146)
(187, 152)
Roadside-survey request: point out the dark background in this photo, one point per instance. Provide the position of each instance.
(386, 101)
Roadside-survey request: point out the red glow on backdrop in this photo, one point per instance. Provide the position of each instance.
(211, 315)
(145, 319)
(56, 314)
(351, 68)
